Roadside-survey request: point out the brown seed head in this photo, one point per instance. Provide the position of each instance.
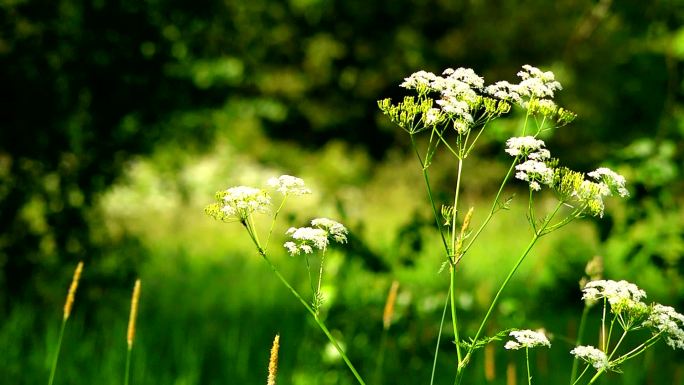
(72, 290)
(273, 361)
(134, 313)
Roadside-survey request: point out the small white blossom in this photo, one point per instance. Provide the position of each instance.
(288, 185)
(523, 145)
(465, 75)
(238, 203)
(306, 239)
(621, 295)
(505, 91)
(534, 171)
(614, 181)
(455, 107)
(432, 116)
(540, 154)
(527, 339)
(334, 229)
(536, 83)
(591, 195)
(591, 355)
(420, 80)
(666, 320)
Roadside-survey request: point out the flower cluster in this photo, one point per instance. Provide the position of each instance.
(592, 356)
(238, 203)
(623, 296)
(666, 320)
(535, 172)
(288, 185)
(535, 169)
(536, 83)
(306, 239)
(460, 99)
(612, 180)
(524, 146)
(526, 339)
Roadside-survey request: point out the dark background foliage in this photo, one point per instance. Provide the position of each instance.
(91, 87)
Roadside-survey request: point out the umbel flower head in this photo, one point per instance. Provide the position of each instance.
(238, 203)
(288, 185)
(306, 239)
(623, 297)
(666, 320)
(526, 339)
(592, 356)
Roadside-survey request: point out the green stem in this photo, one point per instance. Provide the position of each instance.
(454, 320)
(581, 374)
(492, 210)
(527, 358)
(439, 339)
(275, 216)
(128, 364)
(320, 323)
(318, 286)
(452, 270)
(638, 350)
(430, 196)
(498, 294)
(59, 346)
(578, 342)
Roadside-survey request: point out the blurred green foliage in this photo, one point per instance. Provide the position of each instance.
(119, 120)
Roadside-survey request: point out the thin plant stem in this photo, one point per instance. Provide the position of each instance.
(308, 270)
(128, 364)
(319, 322)
(452, 270)
(426, 177)
(527, 358)
(578, 342)
(56, 358)
(275, 216)
(603, 326)
(581, 374)
(498, 294)
(439, 339)
(318, 286)
(493, 208)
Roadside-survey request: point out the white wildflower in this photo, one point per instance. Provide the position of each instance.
(306, 239)
(591, 355)
(461, 126)
(523, 145)
(534, 171)
(289, 185)
(432, 116)
(666, 320)
(420, 81)
(536, 83)
(540, 154)
(505, 91)
(614, 181)
(465, 75)
(454, 107)
(334, 229)
(527, 339)
(238, 203)
(622, 296)
(591, 194)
